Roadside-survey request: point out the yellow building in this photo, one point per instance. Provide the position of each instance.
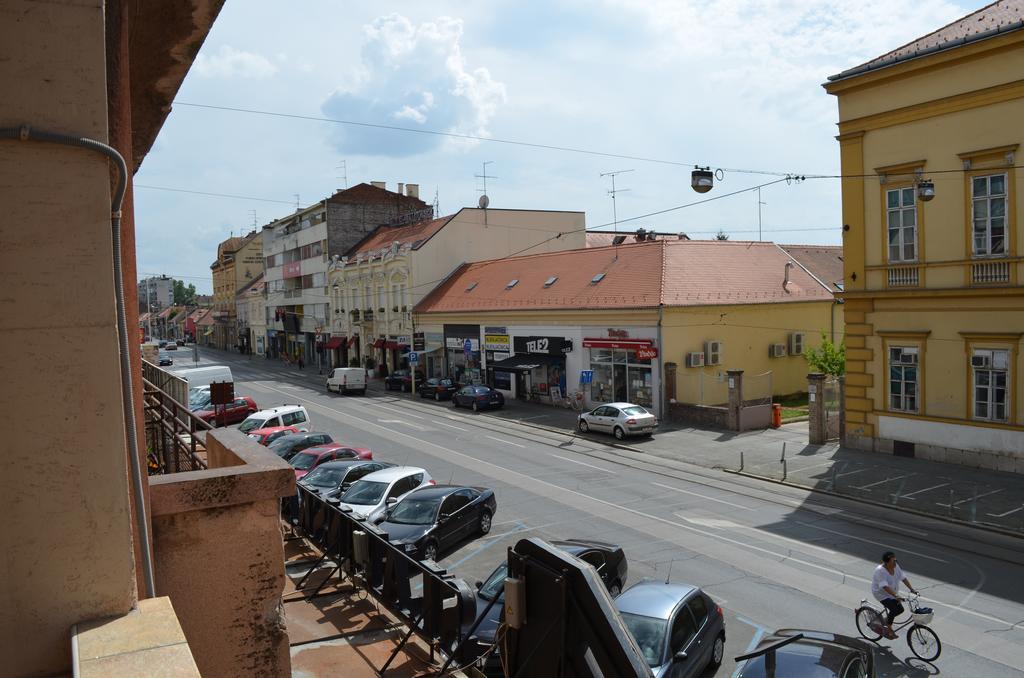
(239, 262)
(929, 140)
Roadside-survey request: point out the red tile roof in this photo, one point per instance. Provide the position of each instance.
(636, 275)
(367, 193)
(825, 262)
(409, 234)
(605, 238)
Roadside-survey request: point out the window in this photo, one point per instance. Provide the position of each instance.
(512, 283)
(903, 378)
(550, 281)
(988, 211)
(901, 216)
(990, 378)
(453, 504)
(595, 558)
(683, 630)
(699, 607)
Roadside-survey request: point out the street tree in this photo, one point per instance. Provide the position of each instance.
(721, 235)
(184, 296)
(829, 358)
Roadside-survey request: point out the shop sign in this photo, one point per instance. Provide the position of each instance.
(626, 344)
(497, 342)
(618, 334)
(292, 270)
(419, 342)
(403, 340)
(459, 343)
(547, 345)
(649, 353)
(499, 356)
(495, 330)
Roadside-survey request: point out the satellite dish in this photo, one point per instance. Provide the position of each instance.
(484, 202)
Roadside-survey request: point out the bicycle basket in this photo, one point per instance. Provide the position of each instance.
(923, 616)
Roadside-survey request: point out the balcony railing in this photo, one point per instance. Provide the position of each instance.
(990, 272)
(292, 294)
(903, 276)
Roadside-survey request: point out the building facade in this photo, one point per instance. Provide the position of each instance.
(239, 261)
(155, 293)
(251, 304)
(930, 140)
(376, 285)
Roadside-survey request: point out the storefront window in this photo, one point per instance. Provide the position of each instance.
(620, 377)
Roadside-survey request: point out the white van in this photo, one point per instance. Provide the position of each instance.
(347, 380)
(284, 415)
(198, 377)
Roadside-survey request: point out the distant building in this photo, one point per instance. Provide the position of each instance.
(603, 238)
(239, 261)
(155, 293)
(250, 307)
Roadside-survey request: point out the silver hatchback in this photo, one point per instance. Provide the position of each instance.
(619, 419)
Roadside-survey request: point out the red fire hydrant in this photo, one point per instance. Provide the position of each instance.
(776, 415)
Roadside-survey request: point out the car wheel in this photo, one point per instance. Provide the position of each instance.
(430, 551)
(584, 426)
(615, 589)
(717, 651)
(437, 397)
(619, 433)
(485, 522)
(476, 406)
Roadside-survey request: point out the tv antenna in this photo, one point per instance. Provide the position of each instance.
(296, 201)
(343, 166)
(484, 200)
(613, 192)
(253, 212)
(759, 203)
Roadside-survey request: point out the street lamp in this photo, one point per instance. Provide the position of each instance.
(702, 179)
(925, 190)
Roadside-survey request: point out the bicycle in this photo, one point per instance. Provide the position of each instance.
(921, 639)
(574, 401)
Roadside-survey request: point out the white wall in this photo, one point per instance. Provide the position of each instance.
(953, 436)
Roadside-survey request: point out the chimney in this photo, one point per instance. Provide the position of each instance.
(379, 184)
(785, 280)
(412, 190)
(401, 186)
(683, 236)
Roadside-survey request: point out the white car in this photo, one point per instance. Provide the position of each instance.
(285, 415)
(619, 419)
(372, 495)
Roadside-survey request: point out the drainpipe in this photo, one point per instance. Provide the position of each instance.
(661, 365)
(26, 133)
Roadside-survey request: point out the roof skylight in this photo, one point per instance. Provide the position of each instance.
(472, 286)
(597, 278)
(512, 283)
(550, 281)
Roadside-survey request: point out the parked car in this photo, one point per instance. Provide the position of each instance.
(164, 359)
(163, 343)
(265, 436)
(609, 561)
(347, 380)
(438, 389)
(679, 628)
(619, 419)
(171, 346)
(401, 380)
(818, 654)
(200, 377)
(372, 494)
(431, 519)
(334, 477)
(312, 457)
(288, 446)
(179, 342)
(478, 398)
(223, 415)
(285, 415)
(352, 452)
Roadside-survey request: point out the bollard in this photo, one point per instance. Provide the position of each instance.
(783, 452)
(783, 469)
(741, 460)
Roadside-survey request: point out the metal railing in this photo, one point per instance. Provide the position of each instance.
(175, 438)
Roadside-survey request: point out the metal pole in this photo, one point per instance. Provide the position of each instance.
(784, 470)
(741, 460)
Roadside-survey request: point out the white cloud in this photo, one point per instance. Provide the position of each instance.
(413, 74)
(229, 62)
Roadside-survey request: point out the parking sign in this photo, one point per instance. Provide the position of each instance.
(414, 357)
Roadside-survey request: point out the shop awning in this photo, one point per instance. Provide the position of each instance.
(525, 362)
(391, 345)
(627, 344)
(334, 342)
(378, 343)
(352, 340)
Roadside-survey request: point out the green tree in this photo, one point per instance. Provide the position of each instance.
(829, 358)
(184, 296)
(721, 235)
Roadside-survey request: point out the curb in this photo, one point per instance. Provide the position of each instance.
(871, 502)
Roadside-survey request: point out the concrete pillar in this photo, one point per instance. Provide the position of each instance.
(816, 408)
(735, 398)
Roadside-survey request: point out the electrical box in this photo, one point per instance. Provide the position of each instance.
(361, 548)
(515, 602)
(695, 359)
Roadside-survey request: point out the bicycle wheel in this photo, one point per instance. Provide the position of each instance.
(924, 643)
(869, 623)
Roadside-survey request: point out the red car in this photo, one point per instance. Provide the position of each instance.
(311, 457)
(265, 436)
(233, 413)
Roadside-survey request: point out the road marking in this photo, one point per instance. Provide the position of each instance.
(804, 468)
(850, 473)
(459, 428)
(506, 442)
(759, 633)
(403, 423)
(703, 496)
(447, 453)
(927, 489)
(971, 498)
(868, 541)
(395, 409)
(718, 523)
(1003, 515)
(583, 463)
(880, 482)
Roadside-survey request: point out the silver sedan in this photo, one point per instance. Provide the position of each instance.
(619, 419)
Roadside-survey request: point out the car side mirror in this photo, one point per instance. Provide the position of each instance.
(679, 656)
(479, 585)
(345, 486)
(392, 501)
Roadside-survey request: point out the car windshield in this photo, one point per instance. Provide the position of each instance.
(198, 397)
(365, 492)
(634, 410)
(325, 476)
(304, 460)
(495, 584)
(649, 634)
(414, 511)
(283, 443)
(251, 424)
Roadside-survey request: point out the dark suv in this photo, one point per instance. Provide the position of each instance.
(401, 380)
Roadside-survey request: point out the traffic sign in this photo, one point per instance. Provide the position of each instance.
(413, 357)
(467, 346)
(586, 377)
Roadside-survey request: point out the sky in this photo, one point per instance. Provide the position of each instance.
(732, 85)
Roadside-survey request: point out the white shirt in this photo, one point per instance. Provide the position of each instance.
(881, 578)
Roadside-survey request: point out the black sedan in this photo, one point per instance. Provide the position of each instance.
(288, 446)
(334, 477)
(431, 519)
(401, 380)
(810, 653)
(438, 389)
(478, 398)
(165, 359)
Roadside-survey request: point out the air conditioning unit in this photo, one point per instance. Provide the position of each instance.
(981, 359)
(776, 350)
(695, 359)
(712, 352)
(796, 343)
(903, 356)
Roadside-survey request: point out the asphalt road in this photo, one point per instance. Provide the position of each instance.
(771, 556)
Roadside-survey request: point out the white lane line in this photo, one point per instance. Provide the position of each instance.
(880, 482)
(395, 409)
(506, 442)
(867, 541)
(703, 496)
(720, 524)
(459, 428)
(804, 468)
(927, 489)
(583, 463)
(971, 498)
(446, 452)
(403, 423)
(1003, 515)
(850, 473)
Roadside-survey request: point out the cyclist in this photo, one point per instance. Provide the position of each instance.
(885, 587)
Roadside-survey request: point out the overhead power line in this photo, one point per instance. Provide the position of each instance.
(213, 195)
